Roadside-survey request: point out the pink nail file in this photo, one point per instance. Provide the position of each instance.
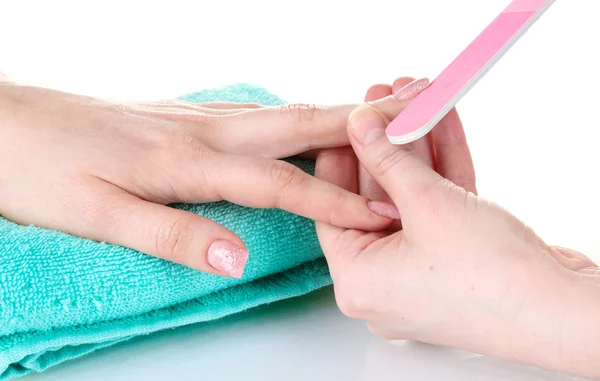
(429, 107)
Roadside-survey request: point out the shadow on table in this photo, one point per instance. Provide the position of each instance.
(304, 338)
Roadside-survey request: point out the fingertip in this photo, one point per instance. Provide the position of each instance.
(389, 107)
(401, 82)
(345, 208)
(360, 213)
(398, 169)
(367, 124)
(228, 258)
(384, 209)
(366, 111)
(378, 91)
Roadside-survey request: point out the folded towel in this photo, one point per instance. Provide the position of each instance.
(62, 296)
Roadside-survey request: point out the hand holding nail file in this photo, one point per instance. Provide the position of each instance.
(429, 107)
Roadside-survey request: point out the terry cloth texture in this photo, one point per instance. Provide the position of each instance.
(62, 297)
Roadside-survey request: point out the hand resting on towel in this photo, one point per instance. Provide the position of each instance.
(106, 170)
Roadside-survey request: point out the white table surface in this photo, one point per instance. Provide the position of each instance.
(532, 124)
(305, 338)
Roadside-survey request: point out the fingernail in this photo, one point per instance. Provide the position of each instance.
(228, 258)
(384, 209)
(367, 127)
(412, 89)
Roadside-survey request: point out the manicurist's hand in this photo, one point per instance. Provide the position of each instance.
(459, 271)
(106, 170)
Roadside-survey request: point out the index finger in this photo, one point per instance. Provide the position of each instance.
(281, 131)
(266, 183)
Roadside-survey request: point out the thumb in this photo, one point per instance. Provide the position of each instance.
(398, 169)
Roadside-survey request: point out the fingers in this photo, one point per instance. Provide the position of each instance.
(421, 146)
(282, 131)
(312, 154)
(174, 235)
(193, 112)
(267, 183)
(230, 105)
(338, 166)
(367, 185)
(453, 157)
(378, 91)
(398, 169)
(400, 83)
(181, 104)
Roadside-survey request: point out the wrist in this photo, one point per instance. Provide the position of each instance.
(558, 327)
(581, 333)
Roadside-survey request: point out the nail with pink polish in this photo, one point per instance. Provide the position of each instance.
(412, 89)
(228, 258)
(384, 209)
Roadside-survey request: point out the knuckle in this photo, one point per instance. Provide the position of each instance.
(300, 112)
(168, 137)
(284, 175)
(174, 156)
(429, 198)
(432, 197)
(179, 146)
(173, 240)
(94, 210)
(210, 122)
(390, 158)
(92, 214)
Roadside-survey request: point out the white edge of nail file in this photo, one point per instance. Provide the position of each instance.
(422, 114)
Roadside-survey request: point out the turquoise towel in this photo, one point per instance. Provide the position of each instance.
(62, 296)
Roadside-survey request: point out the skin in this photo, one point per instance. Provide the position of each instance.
(456, 271)
(106, 170)
(462, 272)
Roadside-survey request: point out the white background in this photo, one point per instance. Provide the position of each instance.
(532, 125)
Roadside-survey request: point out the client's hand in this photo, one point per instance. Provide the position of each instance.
(462, 272)
(105, 170)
